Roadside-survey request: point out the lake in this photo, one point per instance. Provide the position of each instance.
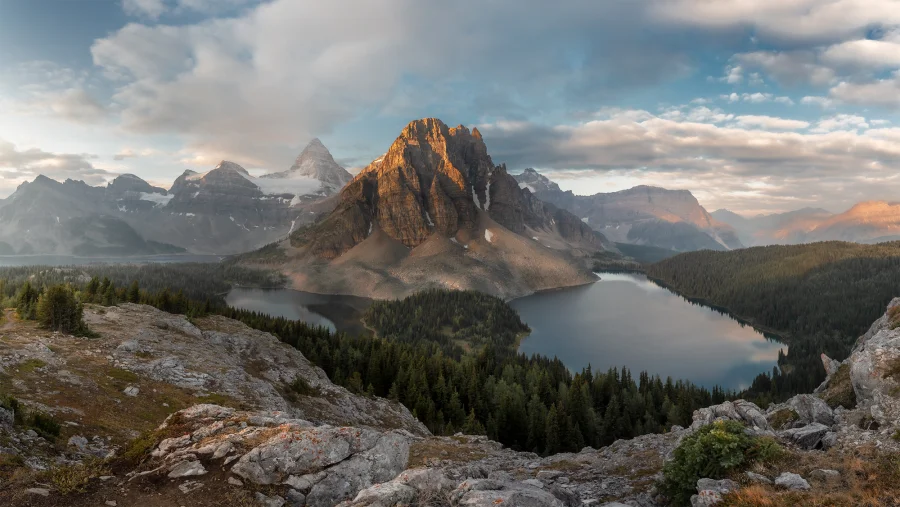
(68, 260)
(341, 313)
(621, 320)
(627, 320)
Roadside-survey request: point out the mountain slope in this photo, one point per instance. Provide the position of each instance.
(776, 228)
(223, 211)
(436, 211)
(671, 219)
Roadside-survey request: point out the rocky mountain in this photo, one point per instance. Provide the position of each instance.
(223, 211)
(436, 211)
(643, 215)
(141, 396)
(316, 163)
(865, 222)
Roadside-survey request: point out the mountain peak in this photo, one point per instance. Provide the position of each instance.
(231, 166)
(315, 162)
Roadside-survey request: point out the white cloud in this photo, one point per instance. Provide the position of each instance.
(734, 74)
(841, 122)
(18, 165)
(770, 122)
(864, 54)
(881, 92)
(152, 9)
(736, 167)
(789, 67)
(794, 20)
(812, 100)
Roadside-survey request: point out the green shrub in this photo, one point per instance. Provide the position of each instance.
(43, 424)
(713, 451)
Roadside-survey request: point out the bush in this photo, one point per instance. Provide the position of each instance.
(714, 451)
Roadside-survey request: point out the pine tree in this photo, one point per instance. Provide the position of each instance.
(134, 293)
(551, 431)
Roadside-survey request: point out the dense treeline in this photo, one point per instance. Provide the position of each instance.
(197, 281)
(456, 320)
(818, 297)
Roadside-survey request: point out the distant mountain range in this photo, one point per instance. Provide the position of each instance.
(643, 215)
(865, 222)
(435, 211)
(222, 211)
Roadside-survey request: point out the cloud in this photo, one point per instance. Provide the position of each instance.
(881, 92)
(253, 85)
(789, 67)
(18, 165)
(823, 102)
(723, 162)
(152, 9)
(783, 20)
(74, 105)
(769, 122)
(733, 74)
(126, 153)
(863, 54)
(841, 122)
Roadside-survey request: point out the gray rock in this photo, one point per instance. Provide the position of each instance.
(568, 497)
(739, 410)
(792, 481)
(187, 469)
(38, 491)
(534, 482)
(757, 478)
(719, 486)
(409, 487)
(807, 437)
(811, 409)
(706, 498)
(111, 503)
(548, 475)
(7, 418)
(131, 391)
(79, 442)
(234, 481)
(295, 498)
(269, 501)
(490, 493)
(829, 440)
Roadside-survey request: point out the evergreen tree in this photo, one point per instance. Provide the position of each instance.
(134, 292)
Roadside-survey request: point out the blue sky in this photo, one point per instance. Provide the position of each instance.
(753, 105)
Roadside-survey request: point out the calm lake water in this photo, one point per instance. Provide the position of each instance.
(342, 313)
(67, 260)
(621, 320)
(627, 320)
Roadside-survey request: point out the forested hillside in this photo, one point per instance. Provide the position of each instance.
(818, 297)
(457, 320)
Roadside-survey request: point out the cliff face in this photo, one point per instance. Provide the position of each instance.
(435, 179)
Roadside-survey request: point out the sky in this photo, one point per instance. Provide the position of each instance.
(756, 106)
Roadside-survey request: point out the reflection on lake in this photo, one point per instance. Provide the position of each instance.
(341, 313)
(627, 320)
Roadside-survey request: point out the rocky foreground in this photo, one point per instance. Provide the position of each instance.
(200, 414)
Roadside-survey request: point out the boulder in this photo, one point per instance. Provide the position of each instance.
(490, 493)
(413, 484)
(807, 437)
(757, 478)
(710, 491)
(811, 409)
(792, 481)
(186, 469)
(7, 418)
(740, 410)
(825, 476)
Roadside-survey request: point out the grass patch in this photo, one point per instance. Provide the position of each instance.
(299, 387)
(30, 365)
(894, 317)
(784, 418)
(123, 375)
(75, 478)
(219, 399)
(840, 391)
